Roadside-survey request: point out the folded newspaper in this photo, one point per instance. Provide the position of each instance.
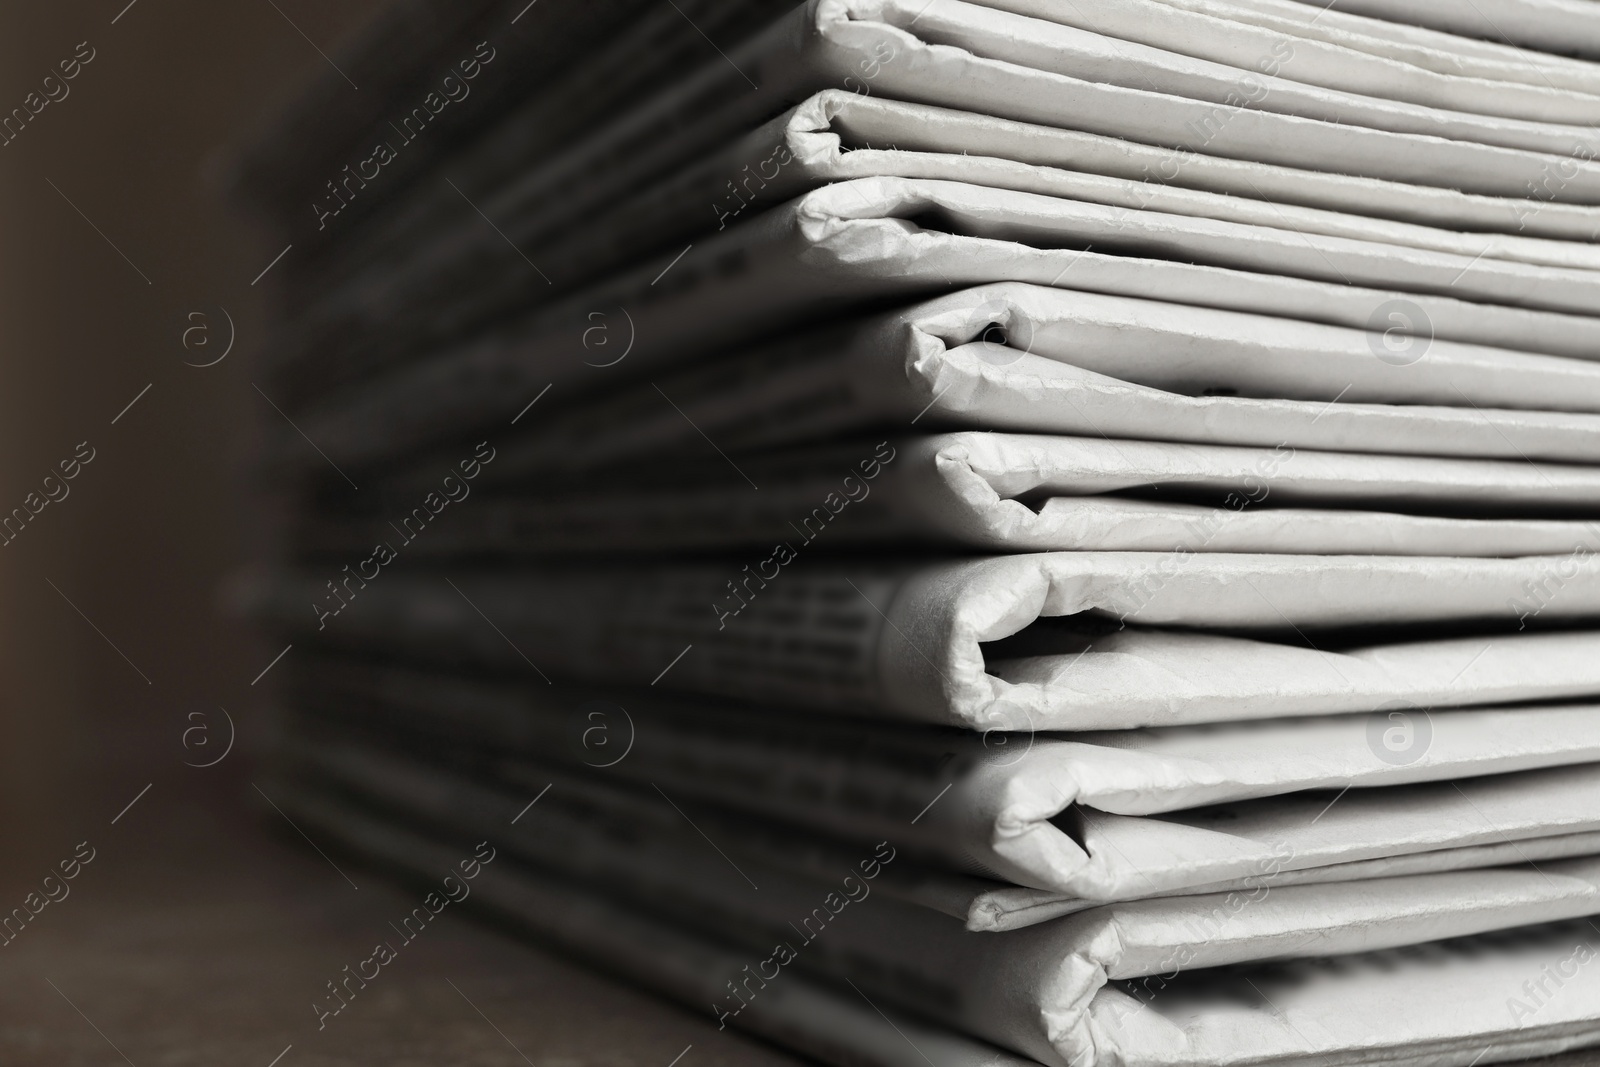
(1005, 492)
(644, 847)
(1313, 969)
(454, 281)
(1097, 640)
(856, 240)
(1058, 533)
(1029, 359)
(692, 969)
(589, 84)
(1060, 817)
(1561, 26)
(988, 62)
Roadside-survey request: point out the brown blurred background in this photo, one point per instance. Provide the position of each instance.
(161, 516)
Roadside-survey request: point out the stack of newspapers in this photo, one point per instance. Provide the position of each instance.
(961, 533)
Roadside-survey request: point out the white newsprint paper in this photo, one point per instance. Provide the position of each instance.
(1004, 804)
(639, 844)
(1356, 55)
(1010, 492)
(1045, 641)
(887, 237)
(1479, 55)
(1035, 360)
(627, 837)
(986, 62)
(1056, 45)
(409, 295)
(1132, 983)
(1211, 88)
(834, 1026)
(1562, 26)
(837, 135)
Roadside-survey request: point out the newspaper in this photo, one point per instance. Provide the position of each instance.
(1560, 26)
(417, 80)
(1008, 492)
(1051, 46)
(643, 847)
(1213, 31)
(869, 48)
(837, 135)
(833, 1027)
(1070, 991)
(991, 49)
(1271, 740)
(410, 294)
(1489, 57)
(540, 153)
(1047, 641)
(996, 804)
(645, 55)
(935, 366)
(569, 146)
(853, 241)
(630, 839)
